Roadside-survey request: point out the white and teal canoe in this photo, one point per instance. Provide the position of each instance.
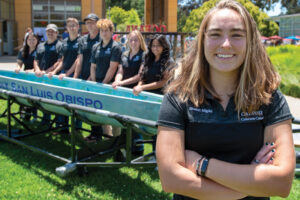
(84, 93)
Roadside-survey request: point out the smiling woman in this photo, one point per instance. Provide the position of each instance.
(243, 147)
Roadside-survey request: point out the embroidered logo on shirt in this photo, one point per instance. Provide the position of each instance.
(107, 51)
(75, 46)
(52, 48)
(253, 116)
(203, 110)
(136, 58)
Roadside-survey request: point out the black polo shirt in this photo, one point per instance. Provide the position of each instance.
(102, 56)
(155, 72)
(131, 66)
(70, 51)
(215, 133)
(85, 48)
(28, 62)
(48, 54)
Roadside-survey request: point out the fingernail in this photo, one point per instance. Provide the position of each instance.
(272, 143)
(273, 150)
(267, 143)
(271, 158)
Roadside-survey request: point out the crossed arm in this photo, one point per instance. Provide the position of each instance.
(226, 180)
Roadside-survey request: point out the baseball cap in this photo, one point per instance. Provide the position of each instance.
(52, 27)
(91, 16)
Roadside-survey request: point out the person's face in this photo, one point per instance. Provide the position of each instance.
(51, 35)
(134, 42)
(32, 41)
(72, 28)
(91, 25)
(106, 34)
(225, 41)
(156, 48)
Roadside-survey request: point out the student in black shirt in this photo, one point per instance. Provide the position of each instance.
(224, 129)
(86, 44)
(48, 57)
(105, 59)
(27, 53)
(106, 55)
(156, 67)
(69, 51)
(128, 72)
(25, 57)
(131, 61)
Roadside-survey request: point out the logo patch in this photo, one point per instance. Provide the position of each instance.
(137, 58)
(253, 116)
(203, 110)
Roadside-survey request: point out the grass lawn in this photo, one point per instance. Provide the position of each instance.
(28, 175)
(287, 61)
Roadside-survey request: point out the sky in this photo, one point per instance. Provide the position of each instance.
(275, 11)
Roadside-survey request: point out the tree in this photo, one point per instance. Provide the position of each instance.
(292, 6)
(117, 15)
(265, 26)
(138, 5)
(133, 18)
(121, 17)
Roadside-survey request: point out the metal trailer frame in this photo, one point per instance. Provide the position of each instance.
(111, 145)
(125, 122)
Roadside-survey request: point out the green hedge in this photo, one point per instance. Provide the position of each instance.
(286, 59)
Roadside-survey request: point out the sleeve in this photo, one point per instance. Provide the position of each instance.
(59, 49)
(20, 57)
(38, 55)
(93, 56)
(116, 54)
(278, 110)
(80, 45)
(172, 113)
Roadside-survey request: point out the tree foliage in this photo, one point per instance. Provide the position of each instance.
(121, 17)
(292, 6)
(117, 15)
(265, 26)
(138, 5)
(133, 18)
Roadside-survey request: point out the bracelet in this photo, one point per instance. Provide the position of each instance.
(204, 167)
(198, 166)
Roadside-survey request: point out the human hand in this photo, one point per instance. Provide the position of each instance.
(61, 76)
(137, 90)
(115, 84)
(17, 70)
(39, 73)
(50, 74)
(191, 158)
(265, 154)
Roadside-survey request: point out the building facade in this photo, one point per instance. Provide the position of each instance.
(289, 25)
(17, 15)
(7, 27)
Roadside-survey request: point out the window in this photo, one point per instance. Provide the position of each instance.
(54, 11)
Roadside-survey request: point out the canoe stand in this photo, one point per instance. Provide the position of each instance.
(119, 146)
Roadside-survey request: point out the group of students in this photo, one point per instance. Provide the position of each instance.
(97, 57)
(224, 128)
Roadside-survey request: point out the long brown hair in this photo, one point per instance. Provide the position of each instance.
(257, 79)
